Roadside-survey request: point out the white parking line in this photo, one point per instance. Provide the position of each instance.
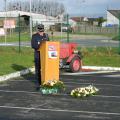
(27, 92)
(86, 73)
(73, 79)
(85, 80)
(59, 110)
(92, 83)
(114, 76)
(7, 91)
(36, 106)
(107, 96)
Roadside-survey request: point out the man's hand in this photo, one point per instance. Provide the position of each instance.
(38, 43)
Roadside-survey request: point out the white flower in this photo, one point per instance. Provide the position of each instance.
(51, 84)
(95, 89)
(72, 92)
(92, 91)
(84, 91)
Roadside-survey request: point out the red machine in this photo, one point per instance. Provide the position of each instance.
(70, 57)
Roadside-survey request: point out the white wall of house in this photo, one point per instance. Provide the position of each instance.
(111, 19)
(72, 23)
(36, 18)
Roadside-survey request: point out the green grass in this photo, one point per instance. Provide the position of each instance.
(11, 60)
(25, 36)
(115, 38)
(15, 37)
(101, 56)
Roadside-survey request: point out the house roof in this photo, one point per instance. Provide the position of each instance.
(116, 13)
(92, 19)
(22, 13)
(77, 19)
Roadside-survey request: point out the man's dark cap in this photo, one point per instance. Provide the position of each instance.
(40, 27)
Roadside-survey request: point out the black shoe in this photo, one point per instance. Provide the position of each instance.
(37, 88)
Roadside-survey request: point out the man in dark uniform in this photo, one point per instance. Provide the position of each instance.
(37, 38)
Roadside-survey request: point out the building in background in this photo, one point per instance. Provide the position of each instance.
(25, 18)
(112, 18)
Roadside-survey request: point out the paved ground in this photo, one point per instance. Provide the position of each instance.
(20, 101)
(81, 40)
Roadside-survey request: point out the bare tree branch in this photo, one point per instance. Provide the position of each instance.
(47, 7)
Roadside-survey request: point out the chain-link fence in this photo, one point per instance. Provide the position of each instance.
(82, 33)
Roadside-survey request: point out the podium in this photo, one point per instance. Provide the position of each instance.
(49, 52)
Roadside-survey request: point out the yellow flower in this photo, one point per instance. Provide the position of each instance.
(71, 93)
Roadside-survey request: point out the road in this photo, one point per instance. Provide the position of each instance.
(93, 41)
(96, 43)
(82, 40)
(20, 101)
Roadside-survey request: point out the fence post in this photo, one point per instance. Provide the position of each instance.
(67, 28)
(19, 31)
(119, 35)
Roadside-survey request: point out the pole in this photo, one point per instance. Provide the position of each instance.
(19, 31)
(79, 24)
(30, 20)
(67, 28)
(5, 21)
(119, 34)
(61, 30)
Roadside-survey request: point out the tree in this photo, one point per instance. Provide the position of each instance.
(46, 7)
(100, 20)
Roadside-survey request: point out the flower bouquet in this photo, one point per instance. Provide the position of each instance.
(52, 87)
(84, 91)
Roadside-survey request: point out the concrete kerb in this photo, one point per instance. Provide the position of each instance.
(101, 68)
(31, 70)
(16, 74)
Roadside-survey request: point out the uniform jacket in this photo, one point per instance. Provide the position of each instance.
(37, 39)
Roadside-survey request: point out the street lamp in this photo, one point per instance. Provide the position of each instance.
(30, 20)
(80, 2)
(119, 34)
(83, 1)
(68, 38)
(5, 20)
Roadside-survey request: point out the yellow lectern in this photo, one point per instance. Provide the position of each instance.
(49, 52)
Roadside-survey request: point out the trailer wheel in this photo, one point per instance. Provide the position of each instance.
(75, 64)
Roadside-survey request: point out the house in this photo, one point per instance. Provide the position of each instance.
(25, 17)
(72, 23)
(92, 21)
(79, 19)
(112, 18)
(85, 20)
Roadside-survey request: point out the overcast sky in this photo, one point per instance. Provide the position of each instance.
(90, 7)
(86, 7)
